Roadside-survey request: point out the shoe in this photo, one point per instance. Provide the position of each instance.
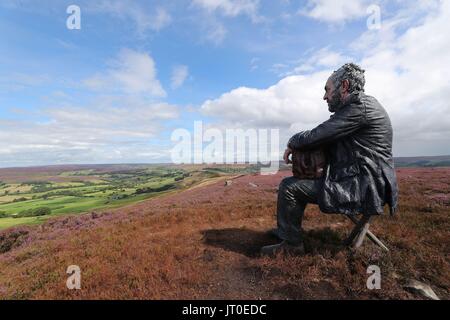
(283, 247)
(274, 233)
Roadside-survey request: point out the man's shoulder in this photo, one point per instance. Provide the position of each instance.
(374, 112)
(369, 100)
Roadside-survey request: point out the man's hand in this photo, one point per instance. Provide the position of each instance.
(287, 153)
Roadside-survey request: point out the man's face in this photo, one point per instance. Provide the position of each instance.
(332, 96)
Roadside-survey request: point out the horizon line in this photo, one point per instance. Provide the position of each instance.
(168, 163)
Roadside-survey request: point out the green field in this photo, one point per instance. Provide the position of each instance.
(76, 191)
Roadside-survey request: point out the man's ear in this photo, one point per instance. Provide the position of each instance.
(345, 86)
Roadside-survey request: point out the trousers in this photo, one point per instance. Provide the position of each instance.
(293, 196)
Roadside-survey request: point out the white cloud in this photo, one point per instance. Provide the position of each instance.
(144, 18)
(107, 130)
(131, 73)
(212, 26)
(117, 125)
(292, 101)
(161, 20)
(323, 58)
(144, 15)
(215, 32)
(334, 11)
(179, 75)
(254, 64)
(406, 72)
(231, 8)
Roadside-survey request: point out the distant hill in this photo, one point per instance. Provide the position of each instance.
(12, 172)
(433, 161)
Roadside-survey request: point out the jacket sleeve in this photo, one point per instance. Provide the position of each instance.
(344, 122)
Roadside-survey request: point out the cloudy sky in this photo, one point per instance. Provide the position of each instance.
(115, 90)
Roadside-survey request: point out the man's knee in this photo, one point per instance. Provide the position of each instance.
(297, 189)
(287, 187)
(287, 183)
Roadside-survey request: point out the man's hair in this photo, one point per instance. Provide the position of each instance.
(351, 72)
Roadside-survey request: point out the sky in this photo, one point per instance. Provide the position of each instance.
(115, 90)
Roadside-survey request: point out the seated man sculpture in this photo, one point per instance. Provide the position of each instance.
(351, 156)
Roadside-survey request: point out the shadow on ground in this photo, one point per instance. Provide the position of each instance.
(244, 241)
(322, 240)
(249, 242)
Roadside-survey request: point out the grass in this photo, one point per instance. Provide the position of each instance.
(91, 189)
(13, 222)
(203, 243)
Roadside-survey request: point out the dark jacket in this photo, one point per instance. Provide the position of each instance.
(360, 175)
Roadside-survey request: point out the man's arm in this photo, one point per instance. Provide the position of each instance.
(342, 123)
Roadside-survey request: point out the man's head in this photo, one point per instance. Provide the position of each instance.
(347, 80)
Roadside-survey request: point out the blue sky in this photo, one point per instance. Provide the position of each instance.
(114, 90)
